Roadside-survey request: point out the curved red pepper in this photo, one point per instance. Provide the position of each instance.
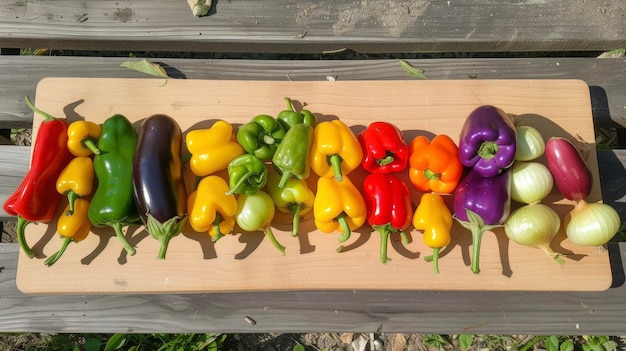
(36, 198)
(384, 148)
(389, 208)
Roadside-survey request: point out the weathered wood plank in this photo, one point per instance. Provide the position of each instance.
(19, 75)
(309, 311)
(381, 26)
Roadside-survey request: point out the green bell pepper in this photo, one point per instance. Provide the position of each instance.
(113, 203)
(292, 156)
(246, 174)
(295, 198)
(261, 136)
(290, 117)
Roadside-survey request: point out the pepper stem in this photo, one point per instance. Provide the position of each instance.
(295, 209)
(268, 139)
(335, 161)
(71, 199)
(240, 183)
(434, 258)
(384, 238)
(90, 143)
(46, 116)
(289, 104)
(270, 234)
(477, 236)
(55, 257)
(284, 178)
(430, 175)
(216, 226)
(385, 160)
(21, 236)
(488, 149)
(117, 226)
(345, 227)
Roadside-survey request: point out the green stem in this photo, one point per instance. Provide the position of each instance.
(289, 104)
(532, 342)
(386, 160)
(268, 139)
(284, 178)
(240, 183)
(295, 209)
(384, 238)
(270, 234)
(117, 226)
(216, 226)
(430, 175)
(335, 161)
(488, 149)
(46, 116)
(345, 227)
(477, 236)
(405, 238)
(21, 236)
(553, 255)
(71, 199)
(55, 257)
(434, 258)
(90, 143)
(164, 240)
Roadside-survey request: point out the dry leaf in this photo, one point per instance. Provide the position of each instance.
(398, 342)
(200, 7)
(147, 67)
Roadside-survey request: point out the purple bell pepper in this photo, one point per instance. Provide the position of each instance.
(487, 142)
(481, 204)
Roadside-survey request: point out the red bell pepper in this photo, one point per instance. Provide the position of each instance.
(389, 208)
(36, 199)
(384, 148)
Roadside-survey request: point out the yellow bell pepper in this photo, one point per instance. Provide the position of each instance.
(434, 218)
(213, 148)
(295, 197)
(71, 227)
(76, 180)
(335, 151)
(338, 206)
(211, 209)
(82, 137)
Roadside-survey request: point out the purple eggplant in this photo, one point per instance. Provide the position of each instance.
(158, 179)
(569, 170)
(487, 142)
(481, 204)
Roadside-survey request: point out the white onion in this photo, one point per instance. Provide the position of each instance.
(534, 225)
(531, 182)
(591, 224)
(530, 143)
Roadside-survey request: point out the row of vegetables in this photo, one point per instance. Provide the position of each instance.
(112, 175)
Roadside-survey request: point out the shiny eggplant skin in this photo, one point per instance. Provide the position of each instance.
(157, 170)
(570, 172)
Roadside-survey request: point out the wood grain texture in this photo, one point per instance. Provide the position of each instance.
(315, 26)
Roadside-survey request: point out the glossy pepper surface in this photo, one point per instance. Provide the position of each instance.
(384, 148)
(434, 218)
(261, 136)
(255, 213)
(389, 208)
(83, 137)
(36, 198)
(338, 207)
(211, 208)
(212, 148)
(487, 142)
(112, 203)
(72, 227)
(335, 151)
(481, 204)
(434, 165)
(157, 177)
(76, 180)
(246, 174)
(292, 158)
(290, 117)
(295, 198)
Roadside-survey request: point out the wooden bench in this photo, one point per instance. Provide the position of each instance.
(484, 30)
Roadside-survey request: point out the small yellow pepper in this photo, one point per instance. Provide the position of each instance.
(335, 151)
(72, 228)
(82, 137)
(295, 197)
(213, 148)
(211, 209)
(338, 206)
(434, 218)
(76, 180)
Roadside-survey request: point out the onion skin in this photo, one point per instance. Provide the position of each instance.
(534, 225)
(531, 182)
(570, 172)
(530, 144)
(591, 224)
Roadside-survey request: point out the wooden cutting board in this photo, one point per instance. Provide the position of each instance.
(247, 261)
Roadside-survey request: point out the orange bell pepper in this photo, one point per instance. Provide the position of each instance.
(434, 165)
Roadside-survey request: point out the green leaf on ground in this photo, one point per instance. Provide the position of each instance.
(413, 71)
(147, 67)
